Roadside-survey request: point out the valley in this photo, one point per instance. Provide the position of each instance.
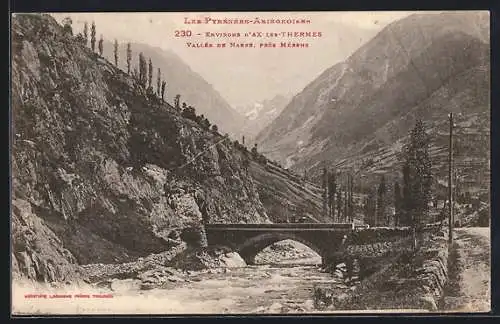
(125, 162)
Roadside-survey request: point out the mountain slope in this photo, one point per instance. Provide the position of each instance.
(194, 90)
(422, 66)
(103, 172)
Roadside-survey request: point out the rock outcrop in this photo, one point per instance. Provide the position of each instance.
(38, 253)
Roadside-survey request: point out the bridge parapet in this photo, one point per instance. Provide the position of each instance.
(330, 241)
(281, 226)
(250, 239)
(377, 234)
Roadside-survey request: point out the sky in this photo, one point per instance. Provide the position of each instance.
(244, 76)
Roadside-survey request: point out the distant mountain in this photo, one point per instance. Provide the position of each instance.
(422, 66)
(194, 90)
(261, 114)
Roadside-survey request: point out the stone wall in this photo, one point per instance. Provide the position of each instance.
(410, 280)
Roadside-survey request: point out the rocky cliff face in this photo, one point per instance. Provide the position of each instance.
(103, 171)
(286, 196)
(422, 66)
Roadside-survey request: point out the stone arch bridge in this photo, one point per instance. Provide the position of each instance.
(330, 241)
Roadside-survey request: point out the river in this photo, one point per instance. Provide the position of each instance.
(252, 289)
(283, 287)
(272, 288)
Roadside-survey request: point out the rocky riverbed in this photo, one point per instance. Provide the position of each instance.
(283, 285)
(251, 289)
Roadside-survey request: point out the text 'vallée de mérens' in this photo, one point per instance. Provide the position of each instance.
(248, 45)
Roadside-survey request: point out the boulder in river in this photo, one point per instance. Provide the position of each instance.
(341, 265)
(275, 308)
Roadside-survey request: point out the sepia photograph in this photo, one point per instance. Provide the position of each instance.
(185, 163)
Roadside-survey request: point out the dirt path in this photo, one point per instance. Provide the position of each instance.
(469, 286)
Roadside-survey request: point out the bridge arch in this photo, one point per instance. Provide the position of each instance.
(252, 246)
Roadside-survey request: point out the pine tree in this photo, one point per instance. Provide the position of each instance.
(92, 37)
(129, 57)
(101, 41)
(382, 203)
(417, 176)
(115, 52)
(158, 83)
(86, 33)
(150, 74)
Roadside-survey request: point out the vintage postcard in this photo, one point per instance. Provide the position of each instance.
(250, 162)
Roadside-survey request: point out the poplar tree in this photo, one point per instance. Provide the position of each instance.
(101, 41)
(86, 33)
(158, 83)
(129, 57)
(405, 199)
(381, 203)
(370, 208)
(339, 204)
(177, 101)
(150, 74)
(346, 206)
(325, 191)
(92, 37)
(115, 52)
(163, 86)
(350, 197)
(143, 77)
(397, 204)
(332, 189)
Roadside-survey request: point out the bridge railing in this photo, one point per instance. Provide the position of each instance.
(314, 225)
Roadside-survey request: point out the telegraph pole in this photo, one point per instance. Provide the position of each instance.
(450, 183)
